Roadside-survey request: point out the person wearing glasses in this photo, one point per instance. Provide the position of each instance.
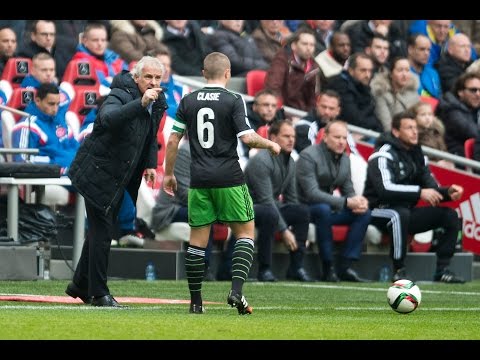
(43, 38)
(398, 177)
(459, 111)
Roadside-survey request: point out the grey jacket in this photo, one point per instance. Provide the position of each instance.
(318, 174)
(271, 181)
(167, 206)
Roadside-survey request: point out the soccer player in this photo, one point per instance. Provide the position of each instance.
(214, 118)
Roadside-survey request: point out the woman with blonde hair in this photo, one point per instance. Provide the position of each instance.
(431, 131)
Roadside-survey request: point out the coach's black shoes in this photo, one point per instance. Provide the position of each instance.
(237, 300)
(106, 301)
(197, 309)
(74, 291)
(448, 277)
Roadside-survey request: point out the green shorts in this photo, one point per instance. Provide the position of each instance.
(230, 204)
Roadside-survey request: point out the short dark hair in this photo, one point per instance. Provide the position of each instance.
(353, 59)
(462, 80)
(47, 88)
(330, 93)
(274, 129)
(397, 118)
(263, 92)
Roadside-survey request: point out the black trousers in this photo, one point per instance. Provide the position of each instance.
(92, 267)
(400, 222)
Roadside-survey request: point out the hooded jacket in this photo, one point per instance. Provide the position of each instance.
(396, 175)
(121, 146)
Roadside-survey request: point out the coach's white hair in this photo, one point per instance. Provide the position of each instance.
(147, 61)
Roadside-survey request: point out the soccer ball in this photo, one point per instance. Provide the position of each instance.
(404, 296)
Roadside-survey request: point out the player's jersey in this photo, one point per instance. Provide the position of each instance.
(213, 117)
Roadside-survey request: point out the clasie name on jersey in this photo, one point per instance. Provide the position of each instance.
(208, 96)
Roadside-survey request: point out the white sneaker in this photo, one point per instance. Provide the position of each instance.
(131, 240)
(373, 235)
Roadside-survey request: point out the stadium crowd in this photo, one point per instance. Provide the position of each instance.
(363, 72)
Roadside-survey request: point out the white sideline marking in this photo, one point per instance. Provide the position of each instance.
(210, 308)
(384, 289)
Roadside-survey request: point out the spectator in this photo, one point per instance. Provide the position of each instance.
(188, 46)
(43, 38)
(43, 71)
(173, 90)
(327, 108)
(379, 49)
(364, 30)
(332, 60)
(454, 61)
(471, 29)
(323, 30)
(17, 26)
(460, 110)
(271, 182)
(394, 91)
(293, 74)
(8, 46)
(418, 53)
(105, 62)
(132, 39)
(46, 130)
(269, 38)
(240, 48)
(321, 169)
(397, 178)
(358, 103)
(431, 131)
(263, 111)
(438, 32)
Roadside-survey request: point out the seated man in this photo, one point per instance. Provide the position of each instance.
(322, 168)
(94, 47)
(271, 182)
(47, 130)
(327, 108)
(397, 178)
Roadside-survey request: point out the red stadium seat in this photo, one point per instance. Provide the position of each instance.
(263, 131)
(84, 101)
(220, 232)
(20, 98)
(255, 81)
(81, 75)
(468, 148)
(16, 69)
